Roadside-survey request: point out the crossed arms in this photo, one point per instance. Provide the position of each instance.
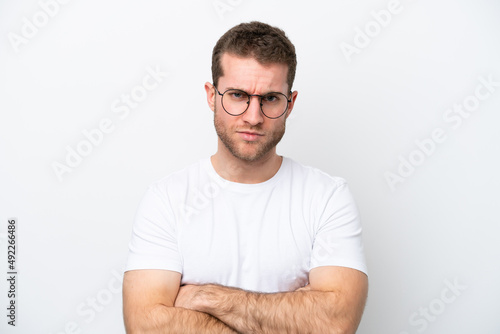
(154, 302)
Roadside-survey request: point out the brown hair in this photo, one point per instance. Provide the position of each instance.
(267, 44)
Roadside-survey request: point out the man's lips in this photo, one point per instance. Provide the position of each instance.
(249, 135)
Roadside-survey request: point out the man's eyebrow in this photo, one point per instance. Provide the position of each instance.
(269, 91)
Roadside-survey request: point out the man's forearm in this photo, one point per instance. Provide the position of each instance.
(287, 312)
(163, 319)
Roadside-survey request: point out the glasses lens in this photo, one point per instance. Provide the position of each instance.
(235, 102)
(274, 104)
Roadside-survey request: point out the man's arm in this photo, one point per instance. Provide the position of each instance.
(332, 303)
(148, 300)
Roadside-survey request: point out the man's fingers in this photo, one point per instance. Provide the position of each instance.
(305, 288)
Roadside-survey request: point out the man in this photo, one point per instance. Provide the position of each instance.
(247, 241)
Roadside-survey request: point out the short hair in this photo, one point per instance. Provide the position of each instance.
(264, 43)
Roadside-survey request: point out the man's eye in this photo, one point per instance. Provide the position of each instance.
(271, 98)
(237, 95)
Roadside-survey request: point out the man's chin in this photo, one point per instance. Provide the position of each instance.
(251, 152)
(248, 157)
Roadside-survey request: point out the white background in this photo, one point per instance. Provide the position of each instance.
(356, 116)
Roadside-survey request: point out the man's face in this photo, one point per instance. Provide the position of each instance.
(250, 136)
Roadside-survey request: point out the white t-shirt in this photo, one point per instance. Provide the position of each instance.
(260, 237)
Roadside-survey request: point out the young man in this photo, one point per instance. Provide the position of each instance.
(247, 241)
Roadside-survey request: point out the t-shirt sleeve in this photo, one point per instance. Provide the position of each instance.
(153, 244)
(338, 239)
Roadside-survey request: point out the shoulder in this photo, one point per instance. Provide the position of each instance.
(179, 180)
(312, 176)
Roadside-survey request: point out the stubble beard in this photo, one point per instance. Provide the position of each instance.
(261, 148)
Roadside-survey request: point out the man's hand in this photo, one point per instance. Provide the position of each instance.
(187, 296)
(189, 299)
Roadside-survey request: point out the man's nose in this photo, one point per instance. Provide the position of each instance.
(253, 115)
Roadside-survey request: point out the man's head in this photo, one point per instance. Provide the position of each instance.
(264, 43)
(251, 59)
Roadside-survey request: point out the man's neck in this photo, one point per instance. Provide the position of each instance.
(237, 170)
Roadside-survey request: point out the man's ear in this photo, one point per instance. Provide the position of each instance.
(210, 89)
(292, 103)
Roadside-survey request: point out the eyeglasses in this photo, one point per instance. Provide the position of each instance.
(235, 102)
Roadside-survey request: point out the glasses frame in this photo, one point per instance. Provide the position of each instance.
(248, 103)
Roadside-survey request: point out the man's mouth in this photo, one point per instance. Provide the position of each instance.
(249, 135)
